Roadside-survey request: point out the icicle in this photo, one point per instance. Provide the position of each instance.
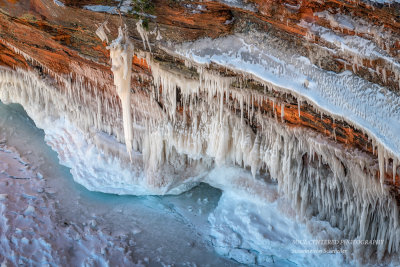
(101, 33)
(159, 36)
(121, 53)
(143, 34)
(381, 160)
(298, 106)
(384, 75)
(334, 133)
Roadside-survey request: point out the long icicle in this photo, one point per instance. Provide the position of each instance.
(121, 53)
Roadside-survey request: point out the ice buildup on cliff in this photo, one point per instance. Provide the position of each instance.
(121, 53)
(101, 33)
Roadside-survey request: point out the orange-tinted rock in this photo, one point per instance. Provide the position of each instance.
(10, 59)
(192, 22)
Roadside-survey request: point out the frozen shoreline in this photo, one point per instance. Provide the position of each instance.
(48, 218)
(86, 225)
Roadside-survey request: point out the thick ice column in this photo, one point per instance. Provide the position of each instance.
(121, 53)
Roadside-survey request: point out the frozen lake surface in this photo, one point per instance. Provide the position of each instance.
(48, 218)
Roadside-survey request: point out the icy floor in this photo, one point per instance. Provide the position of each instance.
(46, 218)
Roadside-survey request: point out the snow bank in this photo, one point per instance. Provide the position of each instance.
(123, 7)
(243, 4)
(101, 8)
(59, 3)
(382, 1)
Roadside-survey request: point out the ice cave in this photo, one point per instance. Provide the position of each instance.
(199, 133)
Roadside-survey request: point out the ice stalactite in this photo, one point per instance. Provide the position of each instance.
(100, 32)
(299, 107)
(83, 124)
(121, 53)
(143, 34)
(279, 67)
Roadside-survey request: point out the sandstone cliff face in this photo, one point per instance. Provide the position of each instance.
(57, 40)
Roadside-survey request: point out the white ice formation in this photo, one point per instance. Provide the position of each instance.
(100, 32)
(121, 53)
(59, 3)
(143, 34)
(371, 108)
